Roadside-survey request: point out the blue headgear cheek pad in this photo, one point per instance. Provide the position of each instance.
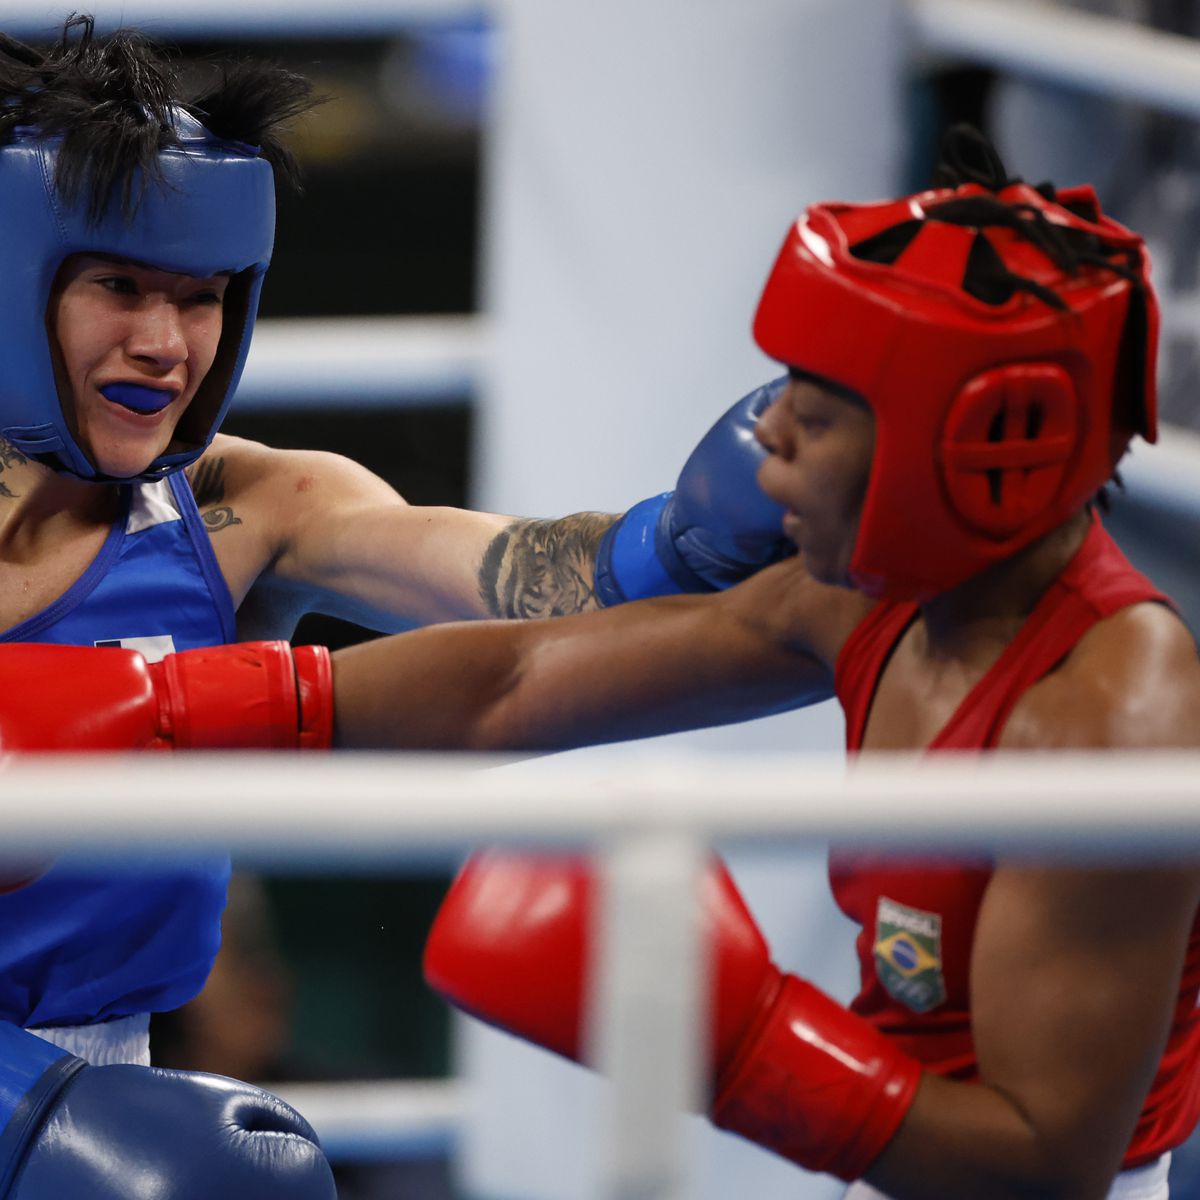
(212, 212)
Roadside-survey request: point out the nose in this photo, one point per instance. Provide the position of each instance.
(769, 428)
(157, 335)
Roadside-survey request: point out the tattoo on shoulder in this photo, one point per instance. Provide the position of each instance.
(207, 479)
(10, 456)
(543, 568)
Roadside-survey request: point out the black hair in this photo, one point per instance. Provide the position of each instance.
(968, 157)
(108, 100)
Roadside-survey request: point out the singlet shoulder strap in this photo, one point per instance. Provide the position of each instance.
(205, 556)
(861, 661)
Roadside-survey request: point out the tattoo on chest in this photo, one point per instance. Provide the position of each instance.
(208, 486)
(10, 456)
(543, 568)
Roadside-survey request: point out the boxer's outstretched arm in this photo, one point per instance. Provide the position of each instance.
(302, 531)
(632, 671)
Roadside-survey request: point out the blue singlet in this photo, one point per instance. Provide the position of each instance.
(84, 944)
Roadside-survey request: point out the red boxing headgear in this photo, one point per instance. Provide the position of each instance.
(1004, 341)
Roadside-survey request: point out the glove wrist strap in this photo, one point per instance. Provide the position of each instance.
(314, 687)
(637, 557)
(817, 1085)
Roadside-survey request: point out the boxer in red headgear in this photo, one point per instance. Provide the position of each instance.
(967, 366)
(1003, 337)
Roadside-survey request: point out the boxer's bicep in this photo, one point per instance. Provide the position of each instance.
(1075, 976)
(347, 544)
(354, 548)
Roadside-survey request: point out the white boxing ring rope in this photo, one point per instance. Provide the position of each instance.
(1027, 37)
(1095, 53)
(382, 362)
(379, 1119)
(651, 820)
(1024, 36)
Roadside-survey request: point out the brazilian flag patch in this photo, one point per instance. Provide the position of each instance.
(908, 955)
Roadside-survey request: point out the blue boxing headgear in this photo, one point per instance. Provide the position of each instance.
(212, 211)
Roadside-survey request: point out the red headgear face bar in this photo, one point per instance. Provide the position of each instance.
(1003, 336)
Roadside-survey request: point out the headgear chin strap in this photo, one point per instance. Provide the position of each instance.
(212, 211)
(1005, 343)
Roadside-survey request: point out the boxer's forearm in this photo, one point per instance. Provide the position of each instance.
(536, 568)
(633, 671)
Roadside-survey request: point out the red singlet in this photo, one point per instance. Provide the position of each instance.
(918, 918)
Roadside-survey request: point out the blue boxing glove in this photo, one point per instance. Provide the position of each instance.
(716, 528)
(77, 1132)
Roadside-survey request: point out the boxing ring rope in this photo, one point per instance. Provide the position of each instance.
(651, 822)
(385, 362)
(379, 1119)
(225, 18)
(1083, 50)
(1028, 37)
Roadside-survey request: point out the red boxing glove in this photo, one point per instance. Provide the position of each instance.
(263, 695)
(790, 1069)
(252, 695)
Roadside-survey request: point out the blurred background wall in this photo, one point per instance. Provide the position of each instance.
(548, 224)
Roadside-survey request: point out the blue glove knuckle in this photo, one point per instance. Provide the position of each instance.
(715, 529)
(728, 526)
(75, 1130)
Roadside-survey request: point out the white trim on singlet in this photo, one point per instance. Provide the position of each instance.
(1142, 1183)
(152, 504)
(125, 1040)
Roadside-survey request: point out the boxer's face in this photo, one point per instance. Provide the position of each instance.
(112, 321)
(819, 447)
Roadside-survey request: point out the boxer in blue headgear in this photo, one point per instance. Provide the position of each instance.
(137, 224)
(116, 201)
(196, 203)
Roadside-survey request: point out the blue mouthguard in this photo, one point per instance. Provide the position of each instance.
(134, 395)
